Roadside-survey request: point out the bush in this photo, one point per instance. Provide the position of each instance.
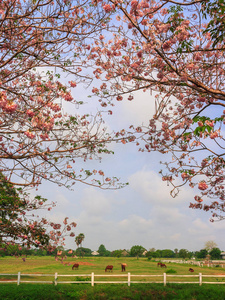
(171, 271)
(78, 278)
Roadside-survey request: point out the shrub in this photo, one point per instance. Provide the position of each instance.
(171, 271)
(78, 278)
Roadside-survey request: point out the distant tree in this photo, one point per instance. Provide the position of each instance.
(137, 251)
(102, 250)
(201, 254)
(215, 253)
(150, 255)
(209, 245)
(81, 251)
(39, 252)
(79, 239)
(176, 252)
(152, 249)
(168, 253)
(158, 253)
(183, 253)
(107, 253)
(81, 236)
(117, 253)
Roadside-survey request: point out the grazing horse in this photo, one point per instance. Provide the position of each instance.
(123, 266)
(163, 266)
(191, 270)
(75, 266)
(109, 267)
(159, 264)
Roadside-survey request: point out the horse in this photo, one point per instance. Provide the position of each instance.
(123, 266)
(109, 267)
(75, 266)
(191, 270)
(159, 264)
(163, 266)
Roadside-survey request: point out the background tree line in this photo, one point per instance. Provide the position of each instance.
(135, 251)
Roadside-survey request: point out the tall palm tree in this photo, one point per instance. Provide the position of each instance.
(79, 239)
(82, 236)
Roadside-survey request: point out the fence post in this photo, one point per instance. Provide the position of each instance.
(200, 278)
(128, 280)
(164, 279)
(18, 279)
(56, 276)
(92, 279)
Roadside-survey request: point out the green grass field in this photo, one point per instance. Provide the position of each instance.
(48, 265)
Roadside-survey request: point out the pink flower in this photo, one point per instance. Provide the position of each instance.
(202, 185)
(139, 54)
(184, 175)
(107, 8)
(101, 173)
(95, 90)
(65, 221)
(11, 107)
(29, 134)
(68, 97)
(164, 11)
(214, 134)
(73, 83)
(44, 136)
(30, 113)
(134, 3)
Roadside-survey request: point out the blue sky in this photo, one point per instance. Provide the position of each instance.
(143, 213)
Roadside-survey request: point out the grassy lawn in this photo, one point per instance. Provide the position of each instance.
(141, 266)
(114, 291)
(48, 265)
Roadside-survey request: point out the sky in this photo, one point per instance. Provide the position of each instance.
(143, 213)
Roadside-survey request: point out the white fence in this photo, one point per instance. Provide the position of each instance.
(92, 281)
(211, 263)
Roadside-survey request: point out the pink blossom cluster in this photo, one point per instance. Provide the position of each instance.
(202, 185)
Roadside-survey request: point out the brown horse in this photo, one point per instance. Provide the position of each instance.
(75, 266)
(123, 266)
(191, 270)
(109, 267)
(163, 266)
(159, 264)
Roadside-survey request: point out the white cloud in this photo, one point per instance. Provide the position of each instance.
(200, 225)
(95, 203)
(175, 237)
(140, 223)
(151, 188)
